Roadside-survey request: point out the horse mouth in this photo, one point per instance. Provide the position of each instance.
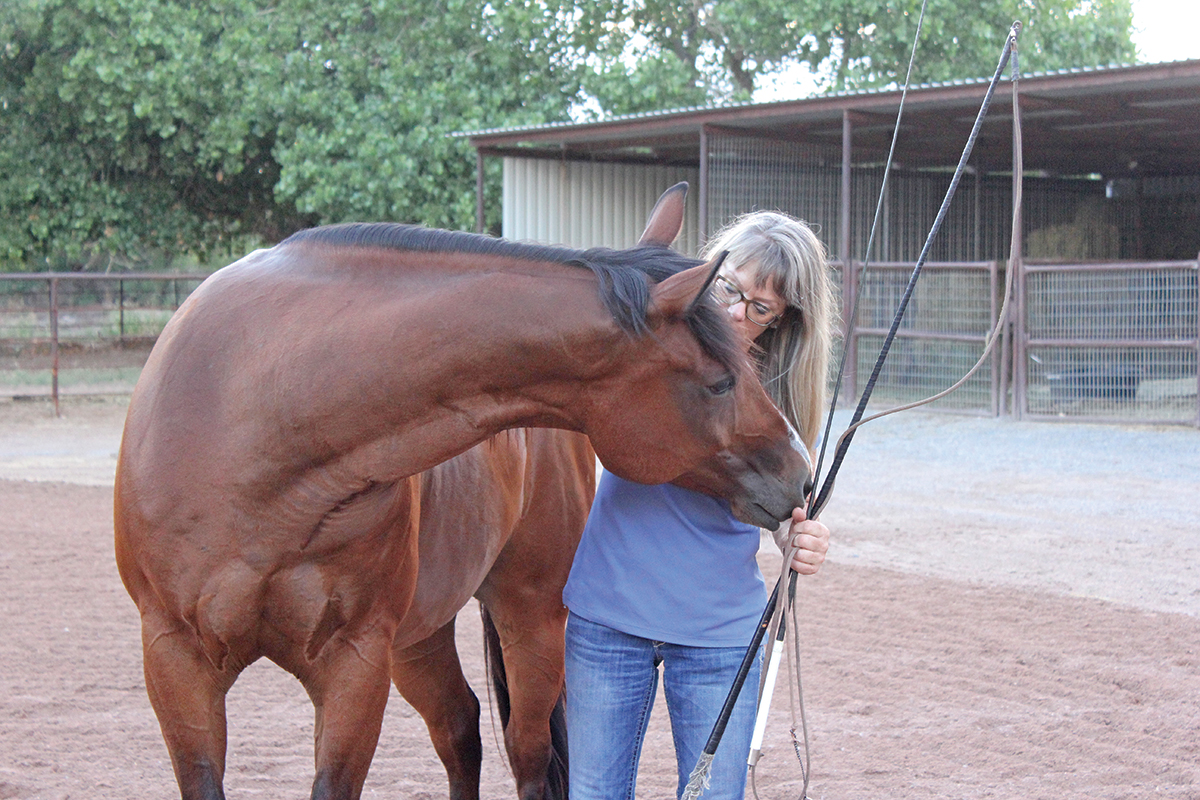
(754, 514)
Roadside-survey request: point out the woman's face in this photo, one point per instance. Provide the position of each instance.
(751, 305)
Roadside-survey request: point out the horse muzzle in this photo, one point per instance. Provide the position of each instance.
(763, 487)
(771, 490)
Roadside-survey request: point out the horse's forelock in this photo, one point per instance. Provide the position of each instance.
(710, 325)
(625, 277)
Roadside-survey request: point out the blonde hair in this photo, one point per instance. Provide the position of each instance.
(793, 354)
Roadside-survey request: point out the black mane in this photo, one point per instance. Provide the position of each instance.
(624, 275)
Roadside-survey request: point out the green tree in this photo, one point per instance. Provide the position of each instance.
(722, 49)
(133, 130)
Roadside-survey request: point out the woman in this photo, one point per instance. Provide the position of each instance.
(666, 575)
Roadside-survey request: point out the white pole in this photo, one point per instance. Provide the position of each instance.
(764, 705)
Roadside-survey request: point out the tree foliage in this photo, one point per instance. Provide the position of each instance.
(135, 130)
(723, 49)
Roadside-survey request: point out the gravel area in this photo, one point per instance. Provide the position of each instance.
(1103, 511)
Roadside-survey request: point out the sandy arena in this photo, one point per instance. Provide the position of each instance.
(1011, 610)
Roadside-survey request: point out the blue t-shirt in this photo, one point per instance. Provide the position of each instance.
(667, 564)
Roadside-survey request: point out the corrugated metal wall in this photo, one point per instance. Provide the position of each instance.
(581, 204)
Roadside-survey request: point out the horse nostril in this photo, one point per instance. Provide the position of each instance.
(808, 487)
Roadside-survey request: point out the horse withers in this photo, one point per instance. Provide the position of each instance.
(265, 499)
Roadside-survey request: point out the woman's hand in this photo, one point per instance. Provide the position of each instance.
(811, 536)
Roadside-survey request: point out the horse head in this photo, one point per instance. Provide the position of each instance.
(687, 407)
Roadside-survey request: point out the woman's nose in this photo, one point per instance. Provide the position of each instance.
(738, 310)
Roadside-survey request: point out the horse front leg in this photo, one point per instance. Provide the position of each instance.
(348, 686)
(429, 676)
(339, 612)
(187, 693)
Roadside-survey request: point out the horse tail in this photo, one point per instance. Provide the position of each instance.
(493, 656)
(556, 772)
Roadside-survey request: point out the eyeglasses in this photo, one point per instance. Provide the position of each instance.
(727, 293)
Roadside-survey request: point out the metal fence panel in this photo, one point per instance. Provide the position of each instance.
(1113, 341)
(749, 173)
(950, 314)
(82, 333)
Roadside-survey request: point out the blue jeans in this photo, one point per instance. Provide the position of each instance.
(611, 681)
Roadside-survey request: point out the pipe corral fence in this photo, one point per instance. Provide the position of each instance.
(1113, 341)
(1107, 342)
(82, 333)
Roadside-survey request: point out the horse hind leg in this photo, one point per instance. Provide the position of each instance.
(187, 692)
(429, 676)
(527, 677)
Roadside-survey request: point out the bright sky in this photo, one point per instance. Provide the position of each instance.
(1163, 30)
(1166, 30)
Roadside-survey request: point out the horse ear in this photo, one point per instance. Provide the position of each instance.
(714, 267)
(675, 296)
(666, 218)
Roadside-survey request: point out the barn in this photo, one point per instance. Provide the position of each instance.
(1104, 324)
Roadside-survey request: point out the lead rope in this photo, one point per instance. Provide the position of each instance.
(699, 779)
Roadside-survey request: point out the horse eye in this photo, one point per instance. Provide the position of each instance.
(723, 387)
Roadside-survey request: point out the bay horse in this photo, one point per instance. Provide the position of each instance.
(267, 501)
(500, 522)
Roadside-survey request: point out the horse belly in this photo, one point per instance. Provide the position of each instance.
(470, 506)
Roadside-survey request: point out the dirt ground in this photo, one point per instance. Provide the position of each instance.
(1011, 610)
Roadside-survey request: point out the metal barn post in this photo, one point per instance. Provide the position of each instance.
(1016, 261)
(849, 278)
(702, 198)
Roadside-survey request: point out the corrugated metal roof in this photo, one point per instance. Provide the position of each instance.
(849, 95)
(1116, 120)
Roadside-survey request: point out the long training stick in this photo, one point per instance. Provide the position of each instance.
(822, 497)
(698, 781)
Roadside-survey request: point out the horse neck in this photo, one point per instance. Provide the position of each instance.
(537, 340)
(459, 350)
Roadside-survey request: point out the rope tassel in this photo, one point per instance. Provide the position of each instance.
(699, 779)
